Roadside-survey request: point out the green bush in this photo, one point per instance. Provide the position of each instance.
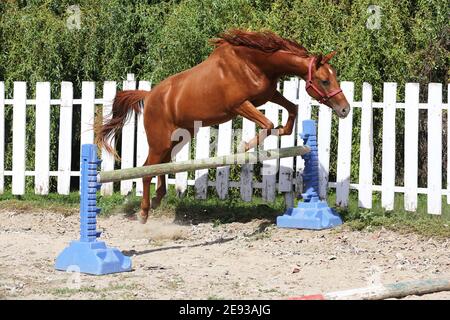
(155, 39)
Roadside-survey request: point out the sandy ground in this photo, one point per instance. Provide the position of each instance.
(253, 260)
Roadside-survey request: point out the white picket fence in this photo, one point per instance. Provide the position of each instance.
(287, 178)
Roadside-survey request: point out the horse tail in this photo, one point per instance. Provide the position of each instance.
(124, 103)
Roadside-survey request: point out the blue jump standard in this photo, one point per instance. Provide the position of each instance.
(312, 213)
(88, 255)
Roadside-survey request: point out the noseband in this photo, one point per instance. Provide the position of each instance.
(324, 97)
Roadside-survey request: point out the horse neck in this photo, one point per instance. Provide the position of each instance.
(277, 64)
(286, 63)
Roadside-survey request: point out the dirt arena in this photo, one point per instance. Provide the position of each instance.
(253, 260)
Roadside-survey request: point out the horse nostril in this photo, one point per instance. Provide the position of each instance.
(344, 111)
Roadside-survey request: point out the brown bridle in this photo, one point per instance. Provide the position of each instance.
(324, 97)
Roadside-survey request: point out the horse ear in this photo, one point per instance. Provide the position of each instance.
(328, 57)
(319, 59)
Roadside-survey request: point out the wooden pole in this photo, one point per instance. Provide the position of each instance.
(174, 167)
(381, 292)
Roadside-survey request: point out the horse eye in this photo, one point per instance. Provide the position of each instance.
(325, 82)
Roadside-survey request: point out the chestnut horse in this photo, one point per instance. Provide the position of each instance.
(241, 74)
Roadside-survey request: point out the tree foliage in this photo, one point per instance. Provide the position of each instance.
(154, 39)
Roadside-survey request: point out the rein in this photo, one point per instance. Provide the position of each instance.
(324, 97)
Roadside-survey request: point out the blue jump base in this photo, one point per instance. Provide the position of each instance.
(312, 213)
(88, 255)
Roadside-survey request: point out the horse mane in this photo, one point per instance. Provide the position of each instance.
(265, 41)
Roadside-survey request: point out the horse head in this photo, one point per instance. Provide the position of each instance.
(322, 84)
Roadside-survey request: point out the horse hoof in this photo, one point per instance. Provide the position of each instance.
(142, 218)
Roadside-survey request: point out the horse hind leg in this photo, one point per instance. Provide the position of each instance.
(161, 189)
(152, 158)
(163, 154)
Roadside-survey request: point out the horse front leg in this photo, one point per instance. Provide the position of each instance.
(249, 111)
(292, 110)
